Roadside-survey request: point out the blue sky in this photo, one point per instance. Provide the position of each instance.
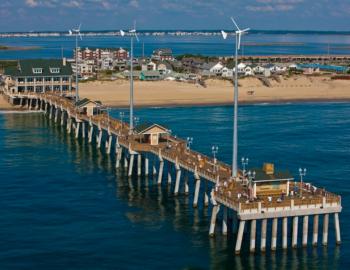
(27, 15)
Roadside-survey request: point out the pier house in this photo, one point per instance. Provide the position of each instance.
(151, 133)
(89, 107)
(38, 76)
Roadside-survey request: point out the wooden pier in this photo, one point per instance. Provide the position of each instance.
(238, 199)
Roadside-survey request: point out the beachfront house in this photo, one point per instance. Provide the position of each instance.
(227, 72)
(216, 68)
(151, 134)
(150, 75)
(258, 69)
(149, 66)
(40, 76)
(89, 107)
(241, 68)
(164, 67)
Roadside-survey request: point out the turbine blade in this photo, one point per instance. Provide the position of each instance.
(122, 33)
(224, 34)
(70, 32)
(246, 30)
(81, 37)
(137, 38)
(234, 22)
(79, 27)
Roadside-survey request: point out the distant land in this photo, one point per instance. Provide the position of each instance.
(168, 32)
(18, 48)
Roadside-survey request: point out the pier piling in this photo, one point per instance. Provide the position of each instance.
(315, 230)
(325, 229)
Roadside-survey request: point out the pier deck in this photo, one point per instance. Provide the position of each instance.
(232, 194)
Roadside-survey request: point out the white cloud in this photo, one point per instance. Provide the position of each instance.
(31, 3)
(273, 5)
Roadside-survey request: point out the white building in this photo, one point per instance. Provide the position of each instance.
(217, 68)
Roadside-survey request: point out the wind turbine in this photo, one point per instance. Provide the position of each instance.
(133, 35)
(77, 33)
(238, 34)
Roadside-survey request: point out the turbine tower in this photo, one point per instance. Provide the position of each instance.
(77, 33)
(133, 35)
(238, 35)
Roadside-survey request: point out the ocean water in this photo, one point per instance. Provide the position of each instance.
(299, 43)
(64, 206)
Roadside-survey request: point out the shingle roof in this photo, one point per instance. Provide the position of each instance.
(25, 68)
(145, 126)
(279, 175)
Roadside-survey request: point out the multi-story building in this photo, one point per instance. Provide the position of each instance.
(38, 76)
(98, 54)
(164, 54)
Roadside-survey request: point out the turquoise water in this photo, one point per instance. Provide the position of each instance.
(64, 206)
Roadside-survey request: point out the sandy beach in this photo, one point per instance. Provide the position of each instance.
(165, 93)
(216, 92)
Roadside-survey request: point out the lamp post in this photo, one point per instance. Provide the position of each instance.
(121, 114)
(108, 115)
(302, 173)
(245, 162)
(189, 142)
(215, 150)
(251, 177)
(167, 138)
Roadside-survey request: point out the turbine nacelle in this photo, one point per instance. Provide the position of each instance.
(238, 33)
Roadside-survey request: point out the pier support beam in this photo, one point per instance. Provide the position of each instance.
(196, 190)
(224, 220)
(239, 236)
(305, 230)
(187, 188)
(91, 132)
(177, 181)
(274, 234)
(263, 235)
(109, 144)
(69, 125)
(62, 117)
(119, 151)
(83, 130)
(315, 231)
(252, 235)
(131, 164)
(169, 174)
(56, 115)
(206, 197)
(160, 173)
(77, 130)
(125, 161)
(285, 233)
(139, 164)
(214, 213)
(146, 166)
(99, 138)
(337, 228)
(295, 233)
(325, 229)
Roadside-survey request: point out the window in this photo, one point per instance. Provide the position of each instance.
(37, 70)
(55, 70)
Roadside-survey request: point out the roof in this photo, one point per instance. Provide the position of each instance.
(144, 127)
(261, 176)
(25, 68)
(85, 101)
(150, 73)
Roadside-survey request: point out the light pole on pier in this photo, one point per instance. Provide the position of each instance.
(245, 162)
(77, 33)
(215, 150)
(239, 34)
(189, 142)
(133, 35)
(302, 173)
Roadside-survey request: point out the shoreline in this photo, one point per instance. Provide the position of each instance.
(212, 104)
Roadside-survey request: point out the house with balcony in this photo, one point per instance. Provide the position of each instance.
(39, 76)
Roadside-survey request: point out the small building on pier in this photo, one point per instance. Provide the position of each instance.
(89, 107)
(268, 182)
(151, 133)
